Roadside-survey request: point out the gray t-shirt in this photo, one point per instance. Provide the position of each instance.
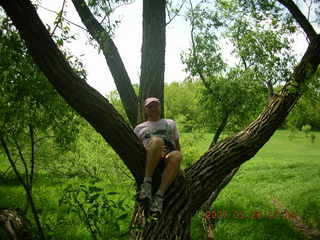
(165, 128)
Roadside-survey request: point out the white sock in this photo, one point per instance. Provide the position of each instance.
(160, 193)
(147, 179)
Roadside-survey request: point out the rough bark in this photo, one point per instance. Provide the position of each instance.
(153, 52)
(14, 223)
(187, 194)
(113, 58)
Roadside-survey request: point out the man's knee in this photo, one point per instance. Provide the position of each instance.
(174, 157)
(155, 142)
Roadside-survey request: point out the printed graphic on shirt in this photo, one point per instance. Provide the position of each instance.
(164, 128)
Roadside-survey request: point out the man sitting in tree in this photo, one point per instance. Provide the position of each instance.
(160, 138)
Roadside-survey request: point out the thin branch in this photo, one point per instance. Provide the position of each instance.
(4, 173)
(32, 158)
(108, 15)
(176, 14)
(14, 167)
(85, 215)
(300, 18)
(194, 53)
(104, 18)
(12, 163)
(42, 138)
(75, 24)
(60, 14)
(309, 10)
(23, 160)
(195, 56)
(221, 186)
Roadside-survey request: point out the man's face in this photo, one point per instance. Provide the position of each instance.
(153, 109)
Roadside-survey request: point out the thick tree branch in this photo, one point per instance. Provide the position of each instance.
(78, 94)
(113, 58)
(300, 18)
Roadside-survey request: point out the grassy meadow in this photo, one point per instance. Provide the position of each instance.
(286, 173)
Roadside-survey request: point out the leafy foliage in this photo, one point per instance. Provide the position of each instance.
(31, 112)
(181, 103)
(236, 96)
(27, 98)
(230, 94)
(101, 215)
(103, 10)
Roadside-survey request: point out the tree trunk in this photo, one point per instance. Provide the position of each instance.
(153, 53)
(187, 194)
(114, 61)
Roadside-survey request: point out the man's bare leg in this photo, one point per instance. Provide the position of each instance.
(154, 154)
(171, 170)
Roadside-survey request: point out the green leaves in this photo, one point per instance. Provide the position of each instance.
(103, 10)
(260, 33)
(26, 96)
(98, 211)
(205, 53)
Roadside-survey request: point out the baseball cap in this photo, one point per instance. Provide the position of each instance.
(150, 100)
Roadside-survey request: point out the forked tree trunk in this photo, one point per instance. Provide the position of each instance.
(187, 194)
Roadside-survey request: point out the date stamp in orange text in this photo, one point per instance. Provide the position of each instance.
(235, 214)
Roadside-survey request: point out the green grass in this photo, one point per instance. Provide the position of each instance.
(288, 171)
(284, 169)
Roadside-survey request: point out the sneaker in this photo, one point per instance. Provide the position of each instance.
(145, 191)
(156, 204)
